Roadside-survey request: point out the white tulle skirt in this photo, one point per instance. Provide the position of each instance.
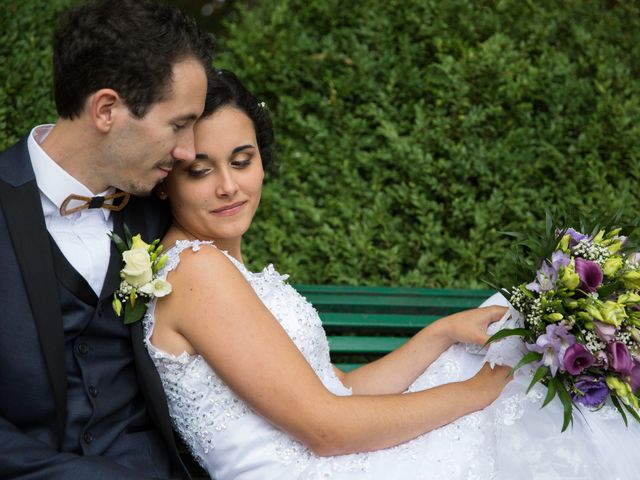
(513, 438)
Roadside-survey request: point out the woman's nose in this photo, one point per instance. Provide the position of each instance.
(228, 185)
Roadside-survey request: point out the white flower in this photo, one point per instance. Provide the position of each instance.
(156, 288)
(138, 243)
(137, 267)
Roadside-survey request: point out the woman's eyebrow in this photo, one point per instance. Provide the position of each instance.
(204, 156)
(240, 148)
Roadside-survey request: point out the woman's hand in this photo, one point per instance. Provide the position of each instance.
(470, 326)
(489, 382)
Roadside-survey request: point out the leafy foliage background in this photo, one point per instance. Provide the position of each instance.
(410, 132)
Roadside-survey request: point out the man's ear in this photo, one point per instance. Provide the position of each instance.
(105, 104)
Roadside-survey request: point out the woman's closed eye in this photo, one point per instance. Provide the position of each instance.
(198, 172)
(241, 163)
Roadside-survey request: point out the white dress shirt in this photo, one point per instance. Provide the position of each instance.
(81, 236)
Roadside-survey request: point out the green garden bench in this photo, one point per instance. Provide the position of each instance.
(365, 323)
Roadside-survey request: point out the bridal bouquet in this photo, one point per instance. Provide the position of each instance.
(581, 317)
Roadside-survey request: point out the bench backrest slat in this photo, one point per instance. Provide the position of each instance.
(364, 323)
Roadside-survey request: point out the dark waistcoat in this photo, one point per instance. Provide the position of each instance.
(106, 413)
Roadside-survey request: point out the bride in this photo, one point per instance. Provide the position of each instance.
(245, 362)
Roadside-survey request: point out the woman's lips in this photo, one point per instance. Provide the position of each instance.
(228, 210)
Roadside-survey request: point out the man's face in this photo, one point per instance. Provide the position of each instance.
(144, 150)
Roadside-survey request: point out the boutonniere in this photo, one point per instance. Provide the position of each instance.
(140, 282)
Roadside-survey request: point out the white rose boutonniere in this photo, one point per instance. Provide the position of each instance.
(140, 283)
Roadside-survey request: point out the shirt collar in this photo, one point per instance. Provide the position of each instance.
(54, 181)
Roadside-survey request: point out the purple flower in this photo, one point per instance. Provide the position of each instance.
(575, 237)
(601, 359)
(545, 280)
(605, 331)
(619, 358)
(577, 358)
(553, 345)
(547, 275)
(590, 274)
(559, 259)
(592, 391)
(635, 377)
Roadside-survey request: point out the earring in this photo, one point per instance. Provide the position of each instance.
(161, 192)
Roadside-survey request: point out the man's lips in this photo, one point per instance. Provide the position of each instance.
(229, 209)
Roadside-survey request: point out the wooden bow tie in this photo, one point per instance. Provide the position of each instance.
(95, 202)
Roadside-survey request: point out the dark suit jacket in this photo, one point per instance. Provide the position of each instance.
(33, 379)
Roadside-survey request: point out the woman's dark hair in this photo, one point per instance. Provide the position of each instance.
(226, 90)
(130, 46)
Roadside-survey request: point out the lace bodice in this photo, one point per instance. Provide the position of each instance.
(513, 438)
(200, 403)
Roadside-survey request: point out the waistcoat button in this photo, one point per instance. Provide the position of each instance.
(87, 437)
(83, 348)
(93, 391)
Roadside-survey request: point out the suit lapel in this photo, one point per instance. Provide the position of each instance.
(112, 279)
(25, 221)
(151, 386)
(141, 216)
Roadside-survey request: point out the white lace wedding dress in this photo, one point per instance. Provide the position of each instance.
(511, 439)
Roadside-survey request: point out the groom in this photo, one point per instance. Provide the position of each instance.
(79, 396)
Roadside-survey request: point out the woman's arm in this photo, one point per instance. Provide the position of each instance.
(394, 372)
(215, 311)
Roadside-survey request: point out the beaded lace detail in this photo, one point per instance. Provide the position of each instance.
(199, 401)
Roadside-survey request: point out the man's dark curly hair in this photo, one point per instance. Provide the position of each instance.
(127, 45)
(226, 90)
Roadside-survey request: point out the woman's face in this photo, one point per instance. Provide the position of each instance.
(215, 196)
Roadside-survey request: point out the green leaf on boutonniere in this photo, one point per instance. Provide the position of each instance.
(120, 244)
(134, 313)
(127, 234)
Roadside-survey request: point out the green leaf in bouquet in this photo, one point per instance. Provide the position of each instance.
(507, 332)
(551, 393)
(607, 290)
(567, 404)
(541, 372)
(526, 292)
(527, 359)
(616, 403)
(548, 221)
(632, 411)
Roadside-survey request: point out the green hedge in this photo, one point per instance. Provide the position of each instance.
(410, 133)
(26, 94)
